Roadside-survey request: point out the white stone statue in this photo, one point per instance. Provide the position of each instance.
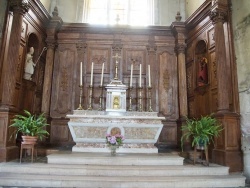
(29, 65)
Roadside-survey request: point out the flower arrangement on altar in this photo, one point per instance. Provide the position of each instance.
(114, 140)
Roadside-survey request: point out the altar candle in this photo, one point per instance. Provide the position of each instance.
(149, 77)
(81, 74)
(131, 75)
(102, 74)
(140, 77)
(91, 78)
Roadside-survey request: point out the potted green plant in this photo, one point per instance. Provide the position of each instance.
(201, 131)
(32, 127)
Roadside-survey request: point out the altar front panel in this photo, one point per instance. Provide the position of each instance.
(140, 129)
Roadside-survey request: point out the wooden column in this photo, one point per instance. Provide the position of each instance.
(218, 16)
(180, 48)
(227, 147)
(52, 30)
(8, 149)
(182, 81)
(152, 48)
(8, 81)
(81, 50)
(48, 78)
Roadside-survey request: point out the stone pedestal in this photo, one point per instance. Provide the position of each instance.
(140, 129)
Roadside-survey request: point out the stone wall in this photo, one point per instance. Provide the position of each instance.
(241, 29)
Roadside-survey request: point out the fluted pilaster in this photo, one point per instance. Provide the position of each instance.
(180, 51)
(19, 8)
(218, 17)
(51, 41)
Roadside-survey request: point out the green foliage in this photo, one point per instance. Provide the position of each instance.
(30, 125)
(201, 130)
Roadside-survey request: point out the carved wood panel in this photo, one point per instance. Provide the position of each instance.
(63, 81)
(168, 85)
(60, 132)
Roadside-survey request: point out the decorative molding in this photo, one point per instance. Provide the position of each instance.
(189, 81)
(135, 59)
(65, 78)
(166, 81)
(99, 59)
(214, 69)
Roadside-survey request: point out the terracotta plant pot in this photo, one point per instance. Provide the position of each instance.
(29, 139)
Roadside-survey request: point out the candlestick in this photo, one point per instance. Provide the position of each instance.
(81, 74)
(130, 98)
(149, 77)
(131, 75)
(140, 77)
(90, 97)
(149, 100)
(80, 103)
(140, 99)
(101, 99)
(102, 74)
(91, 77)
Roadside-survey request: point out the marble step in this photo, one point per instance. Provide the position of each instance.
(119, 159)
(106, 170)
(31, 180)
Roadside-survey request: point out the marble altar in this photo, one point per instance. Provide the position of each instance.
(89, 129)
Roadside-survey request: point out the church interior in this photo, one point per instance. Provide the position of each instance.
(191, 59)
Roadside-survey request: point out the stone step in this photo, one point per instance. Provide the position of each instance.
(119, 159)
(105, 170)
(67, 169)
(31, 180)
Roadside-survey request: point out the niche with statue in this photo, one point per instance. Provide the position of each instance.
(201, 63)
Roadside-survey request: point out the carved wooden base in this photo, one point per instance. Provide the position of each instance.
(8, 153)
(228, 145)
(232, 159)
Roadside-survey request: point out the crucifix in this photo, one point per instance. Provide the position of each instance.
(116, 65)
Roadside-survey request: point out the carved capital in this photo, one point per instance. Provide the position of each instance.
(151, 49)
(117, 47)
(180, 48)
(218, 16)
(19, 6)
(51, 45)
(81, 46)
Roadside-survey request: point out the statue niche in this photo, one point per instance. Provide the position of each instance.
(202, 63)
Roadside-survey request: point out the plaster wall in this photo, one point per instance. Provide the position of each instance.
(46, 4)
(3, 5)
(67, 9)
(168, 10)
(241, 30)
(192, 6)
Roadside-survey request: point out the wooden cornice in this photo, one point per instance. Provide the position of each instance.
(117, 29)
(42, 15)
